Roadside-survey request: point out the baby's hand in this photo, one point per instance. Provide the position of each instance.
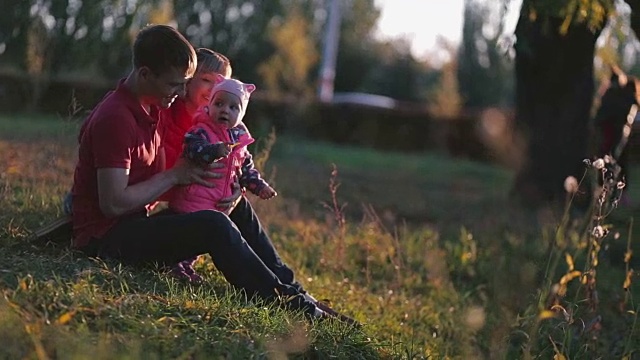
(207, 154)
(267, 193)
(222, 150)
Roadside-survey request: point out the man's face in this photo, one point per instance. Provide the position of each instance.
(199, 88)
(163, 88)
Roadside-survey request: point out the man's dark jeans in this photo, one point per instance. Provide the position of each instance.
(237, 244)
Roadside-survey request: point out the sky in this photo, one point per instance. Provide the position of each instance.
(412, 19)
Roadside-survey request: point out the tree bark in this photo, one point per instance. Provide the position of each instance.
(554, 95)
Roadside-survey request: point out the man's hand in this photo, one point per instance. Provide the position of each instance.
(229, 203)
(187, 173)
(267, 192)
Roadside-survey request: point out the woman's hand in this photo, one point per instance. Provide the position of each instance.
(229, 203)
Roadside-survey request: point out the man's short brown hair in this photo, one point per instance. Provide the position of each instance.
(162, 48)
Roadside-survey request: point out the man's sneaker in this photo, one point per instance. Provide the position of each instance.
(344, 318)
(59, 231)
(329, 312)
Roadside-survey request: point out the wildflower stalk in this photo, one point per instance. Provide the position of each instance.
(627, 266)
(628, 298)
(338, 214)
(594, 231)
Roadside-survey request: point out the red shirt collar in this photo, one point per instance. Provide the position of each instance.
(133, 103)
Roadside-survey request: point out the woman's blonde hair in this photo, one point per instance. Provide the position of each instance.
(211, 61)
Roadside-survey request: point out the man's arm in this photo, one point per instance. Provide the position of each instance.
(117, 198)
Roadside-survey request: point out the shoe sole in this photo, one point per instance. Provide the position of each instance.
(59, 231)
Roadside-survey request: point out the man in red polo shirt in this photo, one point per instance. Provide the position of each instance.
(119, 171)
(120, 175)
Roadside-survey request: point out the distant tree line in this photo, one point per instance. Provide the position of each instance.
(545, 70)
(275, 43)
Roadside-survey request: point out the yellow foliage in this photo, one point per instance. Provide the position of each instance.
(287, 69)
(162, 14)
(23, 284)
(65, 318)
(569, 276)
(546, 314)
(569, 260)
(627, 280)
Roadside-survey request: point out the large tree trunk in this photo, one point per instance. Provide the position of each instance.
(554, 94)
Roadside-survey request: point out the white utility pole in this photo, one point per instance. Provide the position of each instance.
(330, 52)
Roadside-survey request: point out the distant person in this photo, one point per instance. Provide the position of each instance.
(614, 114)
(119, 176)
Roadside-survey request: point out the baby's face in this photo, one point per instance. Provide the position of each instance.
(225, 109)
(199, 88)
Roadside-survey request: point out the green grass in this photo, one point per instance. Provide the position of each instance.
(431, 257)
(29, 127)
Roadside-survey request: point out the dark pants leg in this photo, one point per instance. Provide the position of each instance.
(168, 238)
(249, 225)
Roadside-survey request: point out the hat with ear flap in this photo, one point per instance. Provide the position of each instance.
(236, 87)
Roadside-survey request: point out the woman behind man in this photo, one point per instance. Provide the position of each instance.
(178, 119)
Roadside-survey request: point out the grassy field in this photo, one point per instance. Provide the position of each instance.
(423, 249)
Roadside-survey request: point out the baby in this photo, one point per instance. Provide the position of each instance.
(220, 135)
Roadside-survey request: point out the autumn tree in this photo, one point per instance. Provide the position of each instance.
(44, 40)
(356, 52)
(555, 49)
(396, 73)
(235, 28)
(484, 70)
(287, 70)
(446, 101)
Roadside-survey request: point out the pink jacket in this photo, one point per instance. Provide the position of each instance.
(194, 197)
